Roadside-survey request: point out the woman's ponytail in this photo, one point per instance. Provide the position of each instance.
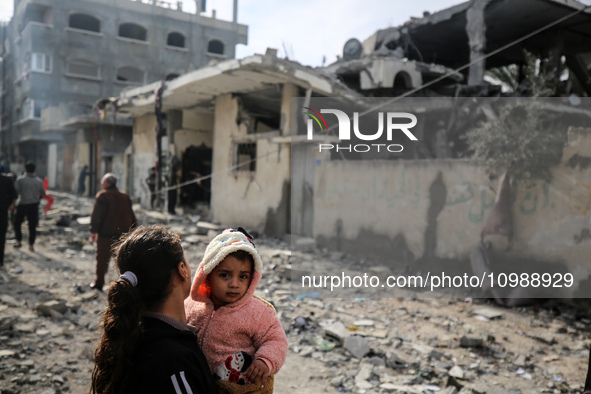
(122, 335)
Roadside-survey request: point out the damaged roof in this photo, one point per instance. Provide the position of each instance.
(199, 88)
(441, 37)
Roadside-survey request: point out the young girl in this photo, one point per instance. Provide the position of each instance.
(146, 346)
(239, 333)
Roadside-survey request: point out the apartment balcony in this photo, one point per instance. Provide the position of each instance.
(68, 118)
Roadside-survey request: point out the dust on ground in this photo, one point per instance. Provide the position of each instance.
(49, 325)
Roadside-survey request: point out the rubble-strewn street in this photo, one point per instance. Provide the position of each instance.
(49, 326)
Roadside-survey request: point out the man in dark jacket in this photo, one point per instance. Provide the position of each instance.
(7, 200)
(112, 216)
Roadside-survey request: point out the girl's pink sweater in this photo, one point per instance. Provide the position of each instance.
(248, 324)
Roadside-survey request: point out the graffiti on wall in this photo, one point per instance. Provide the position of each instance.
(406, 190)
(481, 200)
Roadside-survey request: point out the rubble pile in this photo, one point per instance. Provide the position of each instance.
(49, 321)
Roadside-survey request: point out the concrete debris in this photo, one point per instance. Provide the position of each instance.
(456, 372)
(10, 301)
(543, 337)
(337, 331)
(204, 228)
(489, 313)
(357, 346)
(394, 360)
(53, 308)
(304, 244)
(49, 323)
(471, 341)
(6, 353)
(17, 270)
(363, 323)
(519, 361)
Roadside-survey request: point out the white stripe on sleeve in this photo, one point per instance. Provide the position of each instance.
(175, 383)
(187, 387)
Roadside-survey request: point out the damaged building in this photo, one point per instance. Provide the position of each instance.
(451, 53)
(230, 128)
(267, 175)
(65, 62)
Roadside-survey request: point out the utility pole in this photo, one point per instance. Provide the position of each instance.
(160, 132)
(476, 29)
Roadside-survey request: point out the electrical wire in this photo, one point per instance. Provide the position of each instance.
(406, 94)
(226, 170)
(475, 61)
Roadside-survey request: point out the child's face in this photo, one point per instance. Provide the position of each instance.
(230, 280)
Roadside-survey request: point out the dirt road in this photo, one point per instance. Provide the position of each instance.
(49, 326)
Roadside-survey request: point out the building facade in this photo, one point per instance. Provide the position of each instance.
(63, 60)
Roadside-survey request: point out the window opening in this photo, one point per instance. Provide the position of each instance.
(176, 40)
(215, 46)
(133, 31)
(84, 22)
(245, 157)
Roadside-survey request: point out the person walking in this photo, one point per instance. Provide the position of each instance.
(151, 182)
(112, 216)
(173, 186)
(30, 191)
(7, 199)
(82, 180)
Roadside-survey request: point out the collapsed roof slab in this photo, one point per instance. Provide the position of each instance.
(441, 37)
(379, 71)
(202, 86)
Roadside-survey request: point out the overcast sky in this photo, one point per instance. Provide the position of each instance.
(307, 29)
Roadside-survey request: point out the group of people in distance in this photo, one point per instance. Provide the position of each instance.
(20, 196)
(164, 332)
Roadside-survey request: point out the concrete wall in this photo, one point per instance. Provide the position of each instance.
(408, 210)
(197, 129)
(256, 200)
(144, 156)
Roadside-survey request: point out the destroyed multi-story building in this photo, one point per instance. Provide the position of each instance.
(264, 171)
(63, 61)
(448, 53)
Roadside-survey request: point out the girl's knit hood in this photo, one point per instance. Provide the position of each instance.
(222, 245)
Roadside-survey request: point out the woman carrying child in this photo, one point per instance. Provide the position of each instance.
(147, 346)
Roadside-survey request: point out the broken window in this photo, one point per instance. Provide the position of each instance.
(130, 74)
(39, 106)
(176, 40)
(215, 46)
(245, 157)
(133, 31)
(31, 109)
(84, 22)
(83, 68)
(259, 111)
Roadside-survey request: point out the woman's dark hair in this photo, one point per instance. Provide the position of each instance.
(152, 253)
